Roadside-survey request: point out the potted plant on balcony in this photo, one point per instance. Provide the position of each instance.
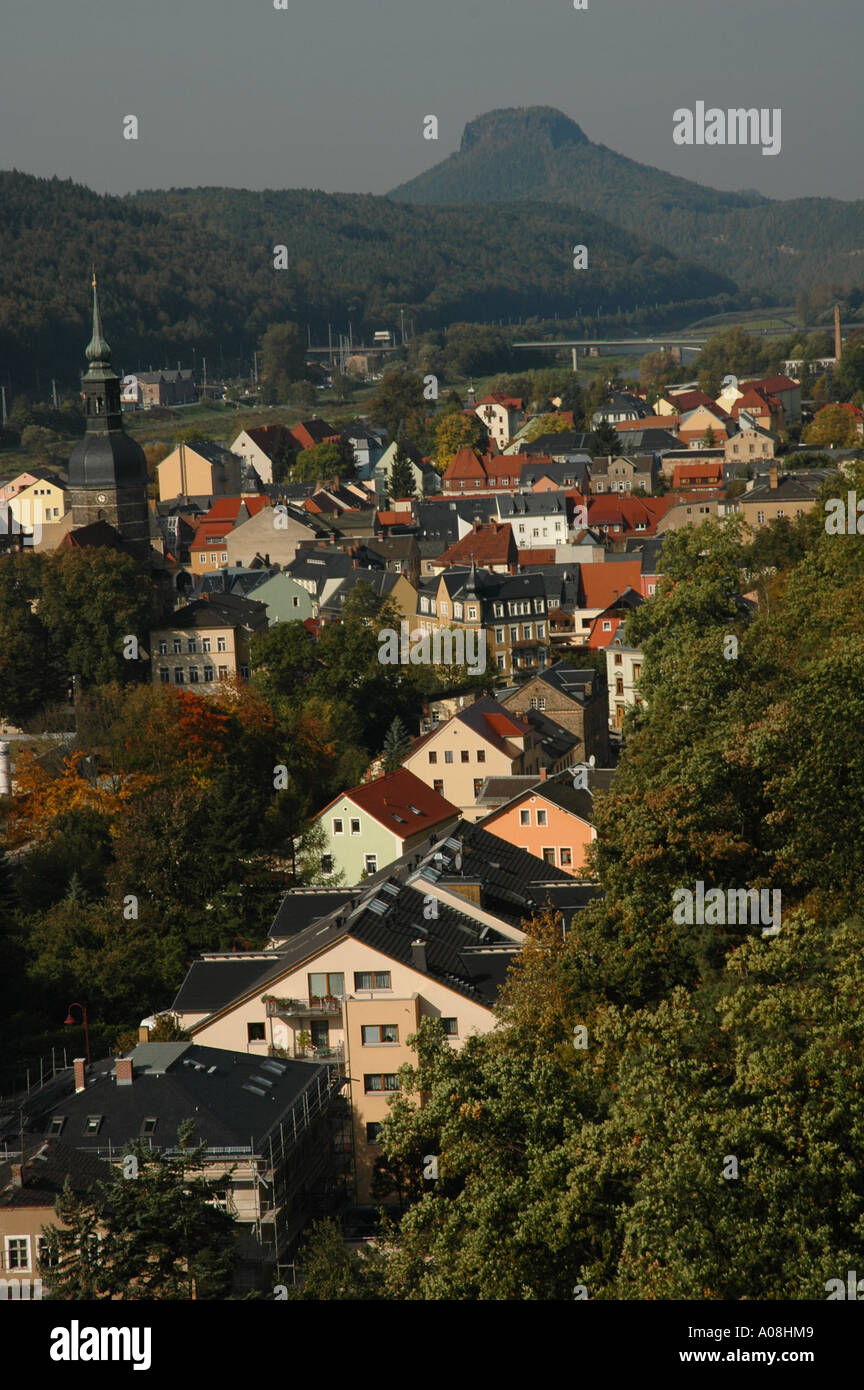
(304, 1042)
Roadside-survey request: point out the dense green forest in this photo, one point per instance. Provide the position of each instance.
(195, 268)
(769, 247)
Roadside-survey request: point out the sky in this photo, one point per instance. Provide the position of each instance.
(331, 94)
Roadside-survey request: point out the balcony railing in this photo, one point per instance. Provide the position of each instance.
(303, 1008)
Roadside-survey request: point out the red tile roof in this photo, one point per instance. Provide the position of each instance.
(688, 400)
(770, 384)
(601, 584)
(308, 433)
(401, 802)
(488, 543)
(597, 638)
(692, 474)
(650, 422)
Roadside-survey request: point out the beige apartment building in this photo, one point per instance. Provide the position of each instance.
(199, 470)
(206, 643)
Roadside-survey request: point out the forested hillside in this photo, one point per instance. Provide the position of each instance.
(770, 247)
(195, 267)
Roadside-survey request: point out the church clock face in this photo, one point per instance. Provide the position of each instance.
(100, 497)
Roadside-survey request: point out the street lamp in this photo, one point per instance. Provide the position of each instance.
(70, 1019)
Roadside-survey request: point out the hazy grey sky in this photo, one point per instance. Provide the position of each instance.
(331, 94)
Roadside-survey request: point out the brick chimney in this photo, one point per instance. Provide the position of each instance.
(123, 1071)
(17, 1179)
(772, 476)
(418, 955)
(79, 1064)
(838, 337)
(543, 772)
(143, 1033)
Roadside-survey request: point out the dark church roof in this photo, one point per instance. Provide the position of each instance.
(110, 459)
(106, 457)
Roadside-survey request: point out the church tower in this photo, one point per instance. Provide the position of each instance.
(107, 469)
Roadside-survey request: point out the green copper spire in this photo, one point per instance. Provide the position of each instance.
(98, 350)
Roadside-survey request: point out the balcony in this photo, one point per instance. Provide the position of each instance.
(319, 1054)
(303, 1008)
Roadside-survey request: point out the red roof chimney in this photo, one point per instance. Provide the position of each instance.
(17, 1179)
(80, 1082)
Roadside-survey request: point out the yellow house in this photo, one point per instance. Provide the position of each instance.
(41, 503)
(199, 470)
(480, 741)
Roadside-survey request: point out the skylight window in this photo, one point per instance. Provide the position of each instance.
(92, 1124)
(275, 1067)
(57, 1123)
(149, 1125)
(262, 1081)
(256, 1090)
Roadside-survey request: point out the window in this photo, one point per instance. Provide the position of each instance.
(464, 755)
(514, 634)
(637, 670)
(224, 556)
(541, 629)
(566, 858)
(163, 647)
(481, 755)
(448, 755)
(178, 675)
(451, 1027)
(223, 673)
(193, 675)
(371, 863)
(148, 1126)
(524, 817)
(192, 645)
(500, 663)
(17, 1252)
(371, 979)
(542, 818)
(618, 658)
(433, 757)
(472, 612)
(380, 1081)
(541, 703)
(607, 627)
(478, 783)
(549, 856)
(164, 675)
(499, 634)
(92, 1124)
(338, 826)
(760, 517)
(527, 631)
(375, 1034)
(326, 863)
(325, 985)
(177, 645)
(373, 1129)
(57, 1123)
(205, 644)
(244, 672)
(619, 685)
(499, 610)
(221, 644)
(438, 785)
(208, 673)
(213, 557)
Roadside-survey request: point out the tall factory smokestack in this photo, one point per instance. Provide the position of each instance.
(5, 774)
(838, 340)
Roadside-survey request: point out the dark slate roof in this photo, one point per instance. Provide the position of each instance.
(216, 979)
(571, 473)
(568, 441)
(214, 453)
(222, 610)
(568, 679)
(173, 1082)
(498, 790)
(45, 1172)
(302, 906)
(658, 441)
(792, 487)
(531, 504)
(440, 520)
(648, 548)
